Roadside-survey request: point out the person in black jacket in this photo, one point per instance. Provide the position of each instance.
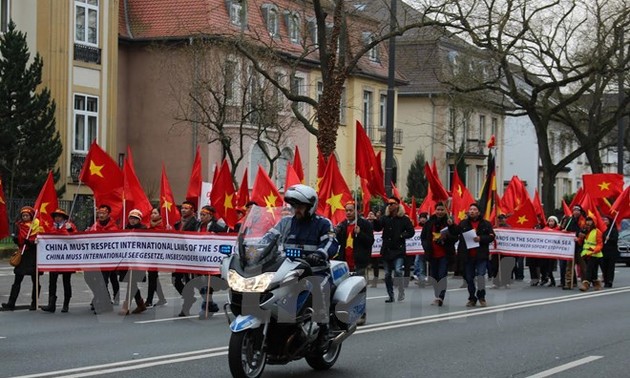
(610, 251)
(438, 245)
(396, 227)
(476, 257)
(356, 237)
(188, 223)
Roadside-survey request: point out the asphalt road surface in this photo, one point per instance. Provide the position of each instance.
(524, 332)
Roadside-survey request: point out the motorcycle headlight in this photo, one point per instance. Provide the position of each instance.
(256, 284)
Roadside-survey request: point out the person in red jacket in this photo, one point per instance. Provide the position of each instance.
(97, 281)
(61, 226)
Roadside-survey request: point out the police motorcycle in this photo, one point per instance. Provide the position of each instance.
(272, 302)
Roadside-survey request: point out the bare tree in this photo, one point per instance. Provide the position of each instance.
(550, 61)
(221, 95)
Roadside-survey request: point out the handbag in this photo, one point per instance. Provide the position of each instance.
(16, 258)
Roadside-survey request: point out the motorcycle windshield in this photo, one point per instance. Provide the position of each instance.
(257, 244)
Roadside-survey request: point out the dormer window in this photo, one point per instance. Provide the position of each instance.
(237, 12)
(293, 26)
(270, 15)
(372, 54)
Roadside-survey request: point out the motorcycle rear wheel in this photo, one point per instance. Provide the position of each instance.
(245, 355)
(324, 360)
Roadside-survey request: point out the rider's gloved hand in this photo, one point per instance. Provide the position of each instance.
(315, 258)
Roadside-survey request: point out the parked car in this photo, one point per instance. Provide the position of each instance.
(623, 244)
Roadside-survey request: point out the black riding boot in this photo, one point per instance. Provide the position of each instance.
(66, 303)
(52, 304)
(10, 305)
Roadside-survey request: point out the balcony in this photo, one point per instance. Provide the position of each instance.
(378, 135)
(87, 53)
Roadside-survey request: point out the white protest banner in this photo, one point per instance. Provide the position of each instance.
(534, 243)
(167, 250)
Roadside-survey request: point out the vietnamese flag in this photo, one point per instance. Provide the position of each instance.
(243, 192)
(396, 194)
(438, 192)
(193, 194)
(334, 193)
(600, 185)
(4, 214)
(621, 207)
(565, 209)
(321, 169)
(366, 197)
(377, 183)
(291, 178)
(168, 210)
(100, 172)
(591, 211)
(540, 211)
(461, 198)
(134, 195)
(297, 165)
(365, 158)
(223, 195)
(428, 205)
(577, 199)
(413, 213)
(513, 195)
(46, 203)
(524, 216)
(264, 192)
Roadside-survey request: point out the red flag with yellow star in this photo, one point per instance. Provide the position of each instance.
(46, 203)
(524, 216)
(194, 183)
(438, 192)
(620, 209)
(243, 192)
(540, 211)
(223, 195)
(591, 211)
(365, 191)
(461, 198)
(297, 165)
(513, 195)
(168, 210)
(291, 178)
(413, 214)
(600, 185)
(4, 214)
(321, 169)
(264, 192)
(134, 195)
(334, 193)
(100, 172)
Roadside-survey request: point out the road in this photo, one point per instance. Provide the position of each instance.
(524, 332)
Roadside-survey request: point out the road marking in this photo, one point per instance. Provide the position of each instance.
(166, 319)
(566, 366)
(136, 364)
(116, 367)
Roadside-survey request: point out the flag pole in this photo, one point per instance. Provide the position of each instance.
(614, 222)
(74, 200)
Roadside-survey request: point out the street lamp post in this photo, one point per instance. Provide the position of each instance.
(389, 125)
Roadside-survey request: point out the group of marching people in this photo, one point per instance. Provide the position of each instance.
(28, 227)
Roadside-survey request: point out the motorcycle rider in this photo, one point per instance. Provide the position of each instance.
(314, 236)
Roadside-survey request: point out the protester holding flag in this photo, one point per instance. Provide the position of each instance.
(153, 282)
(573, 224)
(27, 230)
(610, 251)
(208, 222)
(591, 243)
(188, 222)
(438, 244)
(61, 226)
(133, 276)
(97, 281)
(549, 265)
(356, 237)
(476, 255)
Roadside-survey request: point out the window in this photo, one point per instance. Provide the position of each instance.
(312, 27)
(5, 16)
(237, 12)
(297, 88)
(480, 177)
(277, 93)
(320, 90)
(231, 78)
(293, 26)
(382, 111)
(85, 122)
(494, 126)
(367, 113)
(482, 128)
(270, 14)
(373, 52)
(86, 22)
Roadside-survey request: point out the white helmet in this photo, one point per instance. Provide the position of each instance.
(302, 194)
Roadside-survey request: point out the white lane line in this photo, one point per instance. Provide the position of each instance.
(3, 337)
(140, 361)
(566, 366)
(166, 319)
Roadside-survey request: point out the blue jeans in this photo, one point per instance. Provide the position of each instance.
(395, 266)
(438, 272)
(476, 268)
(419, 268)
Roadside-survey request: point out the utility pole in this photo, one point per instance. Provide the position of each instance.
(620, 99)
(391, 92)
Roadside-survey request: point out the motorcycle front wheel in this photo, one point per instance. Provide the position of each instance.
(245, 354)
(324, 360)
